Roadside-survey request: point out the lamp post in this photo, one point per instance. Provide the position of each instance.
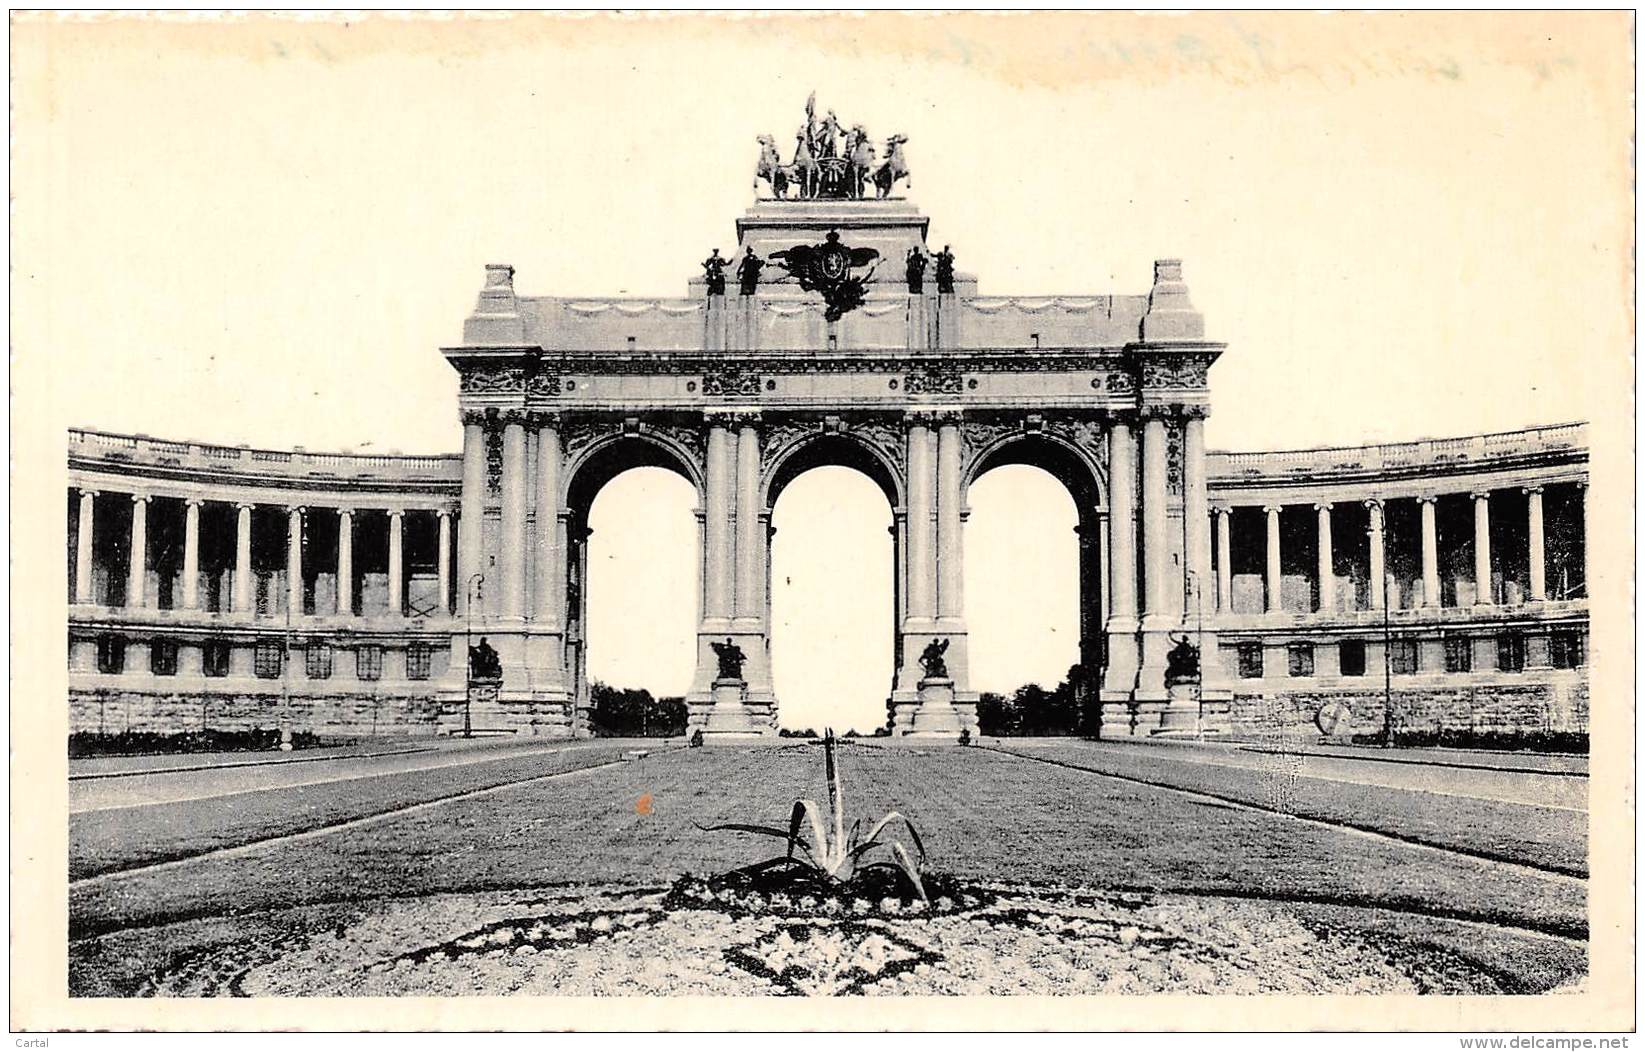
(1387, 646)
(285, 683)
(475, 580)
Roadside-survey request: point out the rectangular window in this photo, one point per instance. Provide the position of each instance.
(1510, 652)
(214, 657)
(368, 662)
(1299, 659)
(267, 662)
(1250, 660)
(317, 660)
(1351, 654)
(163, 657)
(419, 656)
(1459, 654)
(1402, 656)
(1565, 650)
(111, 654)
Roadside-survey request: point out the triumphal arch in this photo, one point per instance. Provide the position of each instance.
(833, 333)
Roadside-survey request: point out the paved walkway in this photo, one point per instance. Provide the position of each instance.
(1552, 788)
(143, 786)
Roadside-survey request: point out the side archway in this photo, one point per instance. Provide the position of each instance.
(1007, 552)
(635, 588)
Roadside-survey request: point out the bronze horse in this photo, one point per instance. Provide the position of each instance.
(893, 168)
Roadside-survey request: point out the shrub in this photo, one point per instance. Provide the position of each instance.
(831, 852)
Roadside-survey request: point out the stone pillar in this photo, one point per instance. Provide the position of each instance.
(471, 528)
(1225, 564)
(1326, 567)
(717, 524)
(920, 583)
(550, 556)
(1120, 675)
(83, 547)
(294, 561)
(443, 562)
(137, 574)
(242, 558)
(1156, 581)
(191, 554)
(1536, 543)
(950, 549)
(511, 545)
(1195, 511)
(396, 562)
(1482, 549)
(345, 562)
(1271, 567)
(1430, 552)
(750, 588)
(1378, 571)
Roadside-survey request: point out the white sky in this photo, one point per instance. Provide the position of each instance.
(1402, 225)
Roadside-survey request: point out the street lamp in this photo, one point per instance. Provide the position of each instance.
(475, 580)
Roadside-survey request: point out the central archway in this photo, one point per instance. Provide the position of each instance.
(834, 598)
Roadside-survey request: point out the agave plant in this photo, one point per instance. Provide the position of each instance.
(833, 852)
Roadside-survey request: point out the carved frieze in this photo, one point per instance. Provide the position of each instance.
(501, 379)
(885, 437)
(940, 378)
(730, 380)
(543, 385)
(1088, 434)
(777, 439)
(1177, 372)
(686, 436)
(581, 432)
(494, 462)
(1173, 459)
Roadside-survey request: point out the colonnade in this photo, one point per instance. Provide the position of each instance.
(296, 515)
(1377, 560)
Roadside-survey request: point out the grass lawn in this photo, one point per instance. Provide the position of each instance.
(1539, 836)
(100, 841)
(983, 814)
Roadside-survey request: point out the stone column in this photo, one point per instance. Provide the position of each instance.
(138, 572)
(1536, 543)
(920, 583)
(1378, 571)
(1271, 576)
(1195, 510)
(550, 556)
(1225, 565)
(1482, 549)
(442, 562)
(1326, 567)
(191, 554)
(1122, 523)
(396, 562)
(83, 548)
(750, 589)
(950, 549)
(345, 562)
(1156, 583)
(511, 546)
(242, 558)
(717, 523)
(1430, 552)
(294, 561)
(471, 528)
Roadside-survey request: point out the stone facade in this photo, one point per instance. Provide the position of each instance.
(332, 591)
